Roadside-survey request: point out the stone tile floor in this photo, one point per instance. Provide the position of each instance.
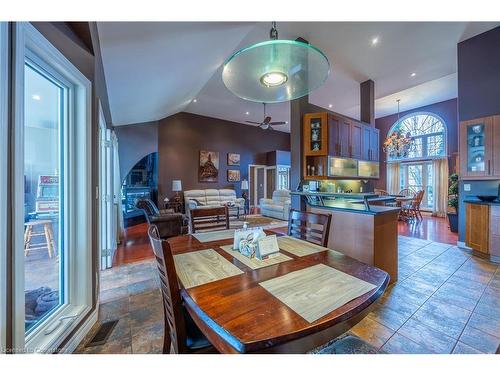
(445, 301)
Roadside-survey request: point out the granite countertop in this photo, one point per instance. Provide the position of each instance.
(356, 207)
(496, 202)
(343, 195)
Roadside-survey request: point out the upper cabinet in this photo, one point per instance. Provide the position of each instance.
(480, 148)
(315, 134)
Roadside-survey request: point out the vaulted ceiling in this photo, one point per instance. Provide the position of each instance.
(156, 69)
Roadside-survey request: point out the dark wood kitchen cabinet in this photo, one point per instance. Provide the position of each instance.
(357, 140)
(339, 141)
(370, 143)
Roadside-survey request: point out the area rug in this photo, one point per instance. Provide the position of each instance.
(346, 344)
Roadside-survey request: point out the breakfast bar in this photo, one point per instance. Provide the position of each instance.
(361, 230)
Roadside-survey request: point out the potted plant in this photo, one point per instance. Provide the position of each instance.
(453, 202)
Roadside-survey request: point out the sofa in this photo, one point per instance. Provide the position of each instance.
(209, 198)
(277, 207)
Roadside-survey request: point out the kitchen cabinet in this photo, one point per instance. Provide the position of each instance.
(479, 148)
(356, 140)
(482, 228)
(315, 134)
(374, 148)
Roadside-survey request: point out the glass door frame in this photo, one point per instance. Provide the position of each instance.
(4, 166)
(425, 182)
(29, 42)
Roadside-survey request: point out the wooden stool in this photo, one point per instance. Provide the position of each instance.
(47, 232)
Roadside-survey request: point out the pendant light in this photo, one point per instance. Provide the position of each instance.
(276, 70)
(397, 145)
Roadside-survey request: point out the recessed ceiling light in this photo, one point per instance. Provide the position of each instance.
(330, 105)
(286, 122)
(194, 100)
(36, 97)
(375, 41)
(413, 74)
(247, 113)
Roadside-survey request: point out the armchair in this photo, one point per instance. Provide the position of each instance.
(169, 223)
(277, 207)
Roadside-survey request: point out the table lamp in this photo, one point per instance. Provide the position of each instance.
(244, 187)
(177, 187)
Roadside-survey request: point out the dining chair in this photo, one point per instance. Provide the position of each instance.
(309, 226)
(214, 218)
(411, 210)
(180, 331)
(406, 192)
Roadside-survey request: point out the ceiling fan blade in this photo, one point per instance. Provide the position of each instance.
(253, 122)
(277, 123)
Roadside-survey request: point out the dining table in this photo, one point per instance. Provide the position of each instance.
(293, 302)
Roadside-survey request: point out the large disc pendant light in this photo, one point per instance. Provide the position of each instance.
(275, 70)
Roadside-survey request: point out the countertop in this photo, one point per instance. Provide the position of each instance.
(342, 195)
(356, 208)
(477, 201)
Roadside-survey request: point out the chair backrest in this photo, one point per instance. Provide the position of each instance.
(380, 192)
(215, 218)
(175, 326)
(147, 206)
(418, 199)
(309, 226)
(407, 192)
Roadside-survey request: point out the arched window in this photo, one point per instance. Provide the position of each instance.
(429, 135)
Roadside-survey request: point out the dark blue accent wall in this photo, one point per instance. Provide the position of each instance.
(478, 96)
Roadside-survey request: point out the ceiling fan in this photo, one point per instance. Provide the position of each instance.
(266, 123)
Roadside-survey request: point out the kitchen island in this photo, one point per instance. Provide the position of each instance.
(368, 233)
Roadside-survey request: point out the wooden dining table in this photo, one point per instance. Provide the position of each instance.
(240, 313)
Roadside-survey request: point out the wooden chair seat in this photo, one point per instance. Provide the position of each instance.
(309, 226)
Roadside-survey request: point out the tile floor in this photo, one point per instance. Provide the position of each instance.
(444, 302)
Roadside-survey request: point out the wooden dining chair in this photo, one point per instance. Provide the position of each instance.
(411, 210)
(208, 219)
(180, 331)
(309, 226)
(407, 193)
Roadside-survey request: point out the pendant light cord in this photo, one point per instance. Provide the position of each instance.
(273, 34)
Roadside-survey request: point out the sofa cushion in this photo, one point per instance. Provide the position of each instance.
(272, 207)
(281, 196)
(199, 195)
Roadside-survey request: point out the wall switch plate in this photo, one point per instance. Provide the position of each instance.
(466, 187)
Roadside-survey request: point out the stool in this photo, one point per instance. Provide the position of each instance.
(47, 232)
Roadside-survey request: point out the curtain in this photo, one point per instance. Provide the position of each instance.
(117, 184)
(393, 179)
(440, 187)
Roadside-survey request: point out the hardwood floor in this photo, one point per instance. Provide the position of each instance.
(430, 228)
(135, 246)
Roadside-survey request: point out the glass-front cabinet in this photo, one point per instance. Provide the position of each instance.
(477, 148)
(315, 134)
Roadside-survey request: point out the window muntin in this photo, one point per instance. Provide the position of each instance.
(428, 132)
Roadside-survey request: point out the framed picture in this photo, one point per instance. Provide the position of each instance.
(208, 170)
(233, 175)
(233, 159)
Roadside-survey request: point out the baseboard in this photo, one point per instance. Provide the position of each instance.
(79, 335)
(463, 246)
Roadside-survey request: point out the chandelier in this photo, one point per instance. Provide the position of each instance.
(275, 70)
(398, 145)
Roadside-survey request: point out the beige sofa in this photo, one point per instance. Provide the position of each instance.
(209, 198)
(277, 207)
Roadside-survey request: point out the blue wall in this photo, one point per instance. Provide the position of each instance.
(478, 96)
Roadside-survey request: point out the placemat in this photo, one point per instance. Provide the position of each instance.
(316, 291)
(255, 263)
(215, 235)
(298, 247)
(204, 266)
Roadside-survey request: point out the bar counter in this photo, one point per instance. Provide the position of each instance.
(368, 233)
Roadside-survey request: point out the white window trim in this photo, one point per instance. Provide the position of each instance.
(4, 94)
(424, 138)
(79, 204)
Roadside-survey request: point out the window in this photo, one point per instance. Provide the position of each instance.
(429, 142)
(52, 193)
(428, 132)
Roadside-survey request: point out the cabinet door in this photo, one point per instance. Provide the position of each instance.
(366, 143)
(333, 136)
(356, 140)
(315, 134)
(477, 226)
(374, 144)
(344, 138)
(496, 147)
(476, 145)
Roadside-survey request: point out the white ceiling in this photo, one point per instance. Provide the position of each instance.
(154, 70)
